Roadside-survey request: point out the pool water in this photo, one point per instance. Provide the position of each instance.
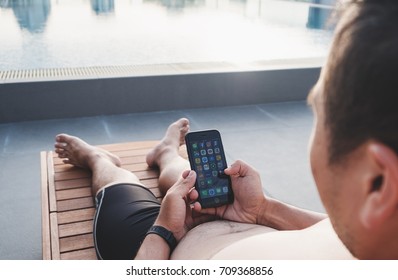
(77, 33)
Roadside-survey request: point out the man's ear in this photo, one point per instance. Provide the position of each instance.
(381, 201)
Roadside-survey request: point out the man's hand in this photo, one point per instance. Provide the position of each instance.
(176, 212)
(250, 201)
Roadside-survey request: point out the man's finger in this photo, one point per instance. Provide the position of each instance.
(186, 173)
(193, 195)
(185, 184)
(238, 168)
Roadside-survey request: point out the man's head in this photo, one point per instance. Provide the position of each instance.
(354, 153)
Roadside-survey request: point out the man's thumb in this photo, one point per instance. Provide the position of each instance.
(188, 179)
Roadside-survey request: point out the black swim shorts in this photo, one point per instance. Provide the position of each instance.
(124, 214)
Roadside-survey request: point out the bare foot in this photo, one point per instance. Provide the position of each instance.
(171, 142)
(77, 152)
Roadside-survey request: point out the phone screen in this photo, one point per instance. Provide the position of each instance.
(207, 159)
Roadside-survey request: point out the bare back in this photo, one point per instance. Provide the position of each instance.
(230, 240)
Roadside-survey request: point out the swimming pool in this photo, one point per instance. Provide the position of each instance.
(39, 34)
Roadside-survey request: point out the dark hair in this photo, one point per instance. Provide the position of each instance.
(361, 85)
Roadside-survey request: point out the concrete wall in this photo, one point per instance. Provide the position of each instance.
(78, 98)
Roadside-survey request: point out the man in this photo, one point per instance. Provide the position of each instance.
(354, 160)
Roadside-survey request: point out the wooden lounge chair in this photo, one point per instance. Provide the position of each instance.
(67, 203)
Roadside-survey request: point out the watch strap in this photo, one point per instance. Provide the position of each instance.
(167, 235)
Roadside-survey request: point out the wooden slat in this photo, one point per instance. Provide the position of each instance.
(132, 153)
(72, 216)
(133, 160)
(73, 184)
(74, 204)
(147, 174)
(75, 228)
(139, 145)
(54, 236)
(78, 242)
(73, 193)
(139, 167)
(86, 254)
(45, 210)
(51, 186)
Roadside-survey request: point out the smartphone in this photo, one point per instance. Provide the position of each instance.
(207, 158)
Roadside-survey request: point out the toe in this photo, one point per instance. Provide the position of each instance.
(62, 155)
(62, 137)
(60, 145)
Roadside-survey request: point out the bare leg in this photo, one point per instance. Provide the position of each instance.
(166, 156)
(104, 165)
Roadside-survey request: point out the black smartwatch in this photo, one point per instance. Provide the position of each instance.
(165, 234)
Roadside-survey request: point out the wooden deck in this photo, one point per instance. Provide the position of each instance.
(68, 206)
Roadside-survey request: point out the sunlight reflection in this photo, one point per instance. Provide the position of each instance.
(72, 33)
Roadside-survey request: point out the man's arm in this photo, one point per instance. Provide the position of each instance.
(154, 247)
(174, 216)
(282, 216)
(252, 206)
